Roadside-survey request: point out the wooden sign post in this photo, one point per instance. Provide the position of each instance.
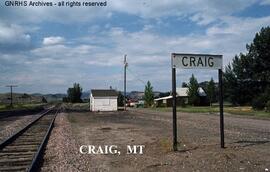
(197, 61)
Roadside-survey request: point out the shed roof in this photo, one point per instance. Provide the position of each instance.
(182, 92)
(163, 98)
(201, 92)
(104, 93)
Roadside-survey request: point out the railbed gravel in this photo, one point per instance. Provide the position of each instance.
(62, 151)
(9, 128)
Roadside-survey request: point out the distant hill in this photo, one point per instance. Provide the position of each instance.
(21, 98)
(30, 98)
(85, 95)
(59, 96)
(138, 95)
(38, 97)
(54, 97)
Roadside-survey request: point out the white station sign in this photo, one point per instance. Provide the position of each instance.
(196, 61)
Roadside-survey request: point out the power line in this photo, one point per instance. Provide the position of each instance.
(136, 77)
(11, 86)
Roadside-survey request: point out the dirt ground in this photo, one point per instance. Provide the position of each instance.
(247, 142)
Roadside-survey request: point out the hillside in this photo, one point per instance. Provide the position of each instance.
(22, 98)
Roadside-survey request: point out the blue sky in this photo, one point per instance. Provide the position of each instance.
(47, 49)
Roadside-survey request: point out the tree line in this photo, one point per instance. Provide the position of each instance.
(247, 77)
(74, 94)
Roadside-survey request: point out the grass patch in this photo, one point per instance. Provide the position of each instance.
(2, 107)
(191, 109)
(242, 110)
(29, 106)
(77, 106)
(246, 110)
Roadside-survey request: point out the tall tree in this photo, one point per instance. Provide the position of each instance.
(148, 95)
(120, 99)
(74, 93)
(259, 52)
(210, 91)
(230, 85)
(193, 96)
(248, 76)
(44, 100)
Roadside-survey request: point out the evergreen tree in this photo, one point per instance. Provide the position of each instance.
(193, 96)
(120, 99)
(248, 76)
(259, 52)
(148, 95)
(65, 99)
(74, 93)
(211, 91)
(44, 100)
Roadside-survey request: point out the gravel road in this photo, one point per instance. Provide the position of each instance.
(247, 142)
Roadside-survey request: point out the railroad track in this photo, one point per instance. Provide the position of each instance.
(23, 150)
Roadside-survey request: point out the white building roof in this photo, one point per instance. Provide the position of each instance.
(182, 92)
(201, 92)
(163, 98)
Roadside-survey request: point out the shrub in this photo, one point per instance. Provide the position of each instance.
(268, 106)
(162, 105)
(182, 102)
(65, 99)
(259, 103)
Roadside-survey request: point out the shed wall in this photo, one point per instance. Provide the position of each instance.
(103, 103)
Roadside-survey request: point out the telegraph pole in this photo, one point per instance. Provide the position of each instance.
(125, 80)
(11, 86)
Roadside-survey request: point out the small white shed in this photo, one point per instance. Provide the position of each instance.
(103, 100)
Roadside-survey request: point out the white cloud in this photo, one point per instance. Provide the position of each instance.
(265, 2)
(96, 59)
(239, 26)
(13, 34)
(58, 81)
(53, 40)
(148, 48)
(149, 53)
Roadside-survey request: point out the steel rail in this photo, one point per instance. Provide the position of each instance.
(33, 163)
(37, 157)
(15, 135)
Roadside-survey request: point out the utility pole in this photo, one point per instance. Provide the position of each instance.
(125, 80)
(11, 86)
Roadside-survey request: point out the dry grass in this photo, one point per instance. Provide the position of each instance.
(165, 144)
(240, 110)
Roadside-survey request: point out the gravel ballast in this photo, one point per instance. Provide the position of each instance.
(61, 152)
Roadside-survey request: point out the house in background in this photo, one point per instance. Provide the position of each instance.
(103, 100)
(181, 98)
